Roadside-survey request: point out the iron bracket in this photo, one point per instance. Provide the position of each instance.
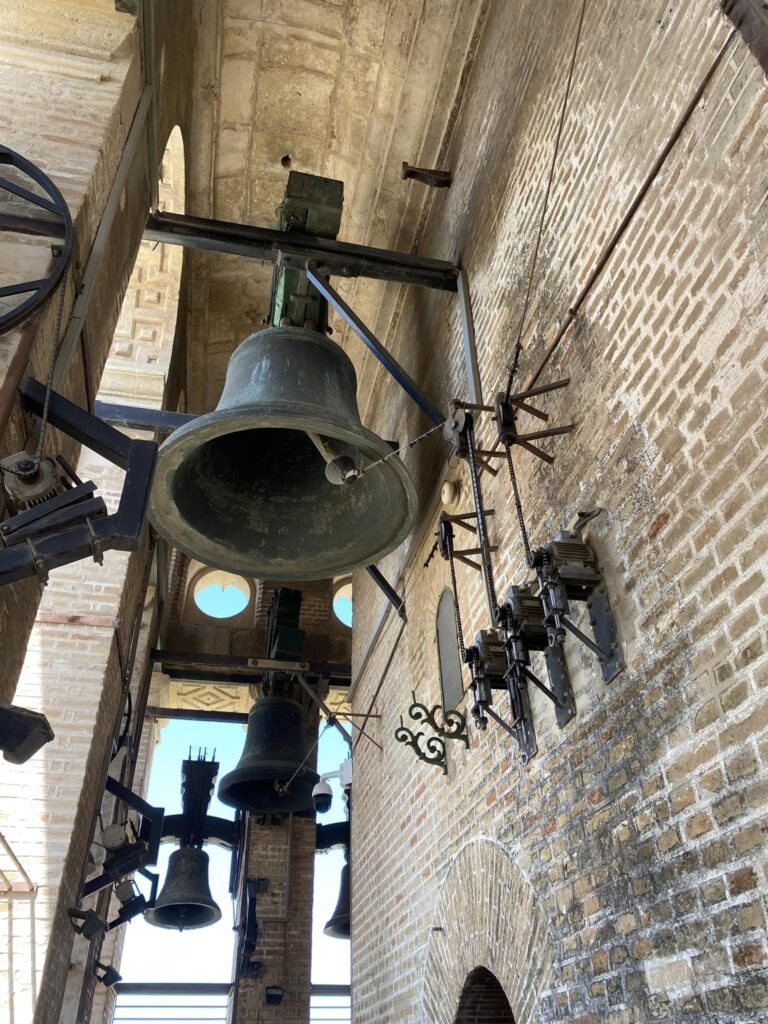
(434, 747)
(505, 414)
(69, 527)
(426, 175)
(134, 856)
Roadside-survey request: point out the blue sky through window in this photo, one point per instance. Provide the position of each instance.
(221, 602)
(342, 607)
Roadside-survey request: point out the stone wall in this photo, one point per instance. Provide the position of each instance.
(637, 833)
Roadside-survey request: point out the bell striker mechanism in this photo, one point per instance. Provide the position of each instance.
(279, 482)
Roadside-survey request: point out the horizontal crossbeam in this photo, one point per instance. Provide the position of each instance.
(293, 249)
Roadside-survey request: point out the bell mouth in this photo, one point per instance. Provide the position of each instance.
(251, 495)
(262, 796)
(184, 918)
(338, 928)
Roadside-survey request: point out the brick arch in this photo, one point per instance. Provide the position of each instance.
(487, 916)
(483, 1000)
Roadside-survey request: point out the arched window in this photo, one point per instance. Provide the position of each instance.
(483, 1000)
(448, 652)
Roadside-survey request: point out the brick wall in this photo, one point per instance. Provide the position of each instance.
(71, 81)
(283, 853)
(639, 828)
(74, 664)
(69, 96)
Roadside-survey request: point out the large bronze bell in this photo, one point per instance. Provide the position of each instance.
(185, 900)
(271, 777)
(338, 923)
(246, 488)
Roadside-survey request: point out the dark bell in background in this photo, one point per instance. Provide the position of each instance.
(185, 901)
(271, 776)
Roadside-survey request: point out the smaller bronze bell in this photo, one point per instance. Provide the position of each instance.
(338, 923)
(185, 900)
(272, 777)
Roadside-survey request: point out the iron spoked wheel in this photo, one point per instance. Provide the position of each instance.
(55, 221)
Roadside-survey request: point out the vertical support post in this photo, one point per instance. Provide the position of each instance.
(474, 384)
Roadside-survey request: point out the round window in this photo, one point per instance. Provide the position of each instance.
(221, 595)
(342, 602)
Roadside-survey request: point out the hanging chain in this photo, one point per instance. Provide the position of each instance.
(456, 609)
(519, 507)
(410, 444)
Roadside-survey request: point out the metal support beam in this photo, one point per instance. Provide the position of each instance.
(293, 249)
(474, 384)
(137, 417)
(388, 590)
(197, 715)
(372, 343)
(215, 664)
(173, 988)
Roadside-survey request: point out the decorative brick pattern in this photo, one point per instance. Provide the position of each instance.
(486, 915)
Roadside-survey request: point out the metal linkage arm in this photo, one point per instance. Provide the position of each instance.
(372, 343)
(132, 417)
(78, 423)
(387, 590)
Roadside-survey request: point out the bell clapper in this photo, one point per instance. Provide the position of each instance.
(340, 468)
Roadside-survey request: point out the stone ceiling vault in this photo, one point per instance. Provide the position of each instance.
(349, 89)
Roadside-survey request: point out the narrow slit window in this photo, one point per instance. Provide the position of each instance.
(448, 652)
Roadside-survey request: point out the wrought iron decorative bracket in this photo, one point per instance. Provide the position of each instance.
(454, 724)
(434, 752)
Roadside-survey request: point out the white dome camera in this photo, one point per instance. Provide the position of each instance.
(322, 796)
